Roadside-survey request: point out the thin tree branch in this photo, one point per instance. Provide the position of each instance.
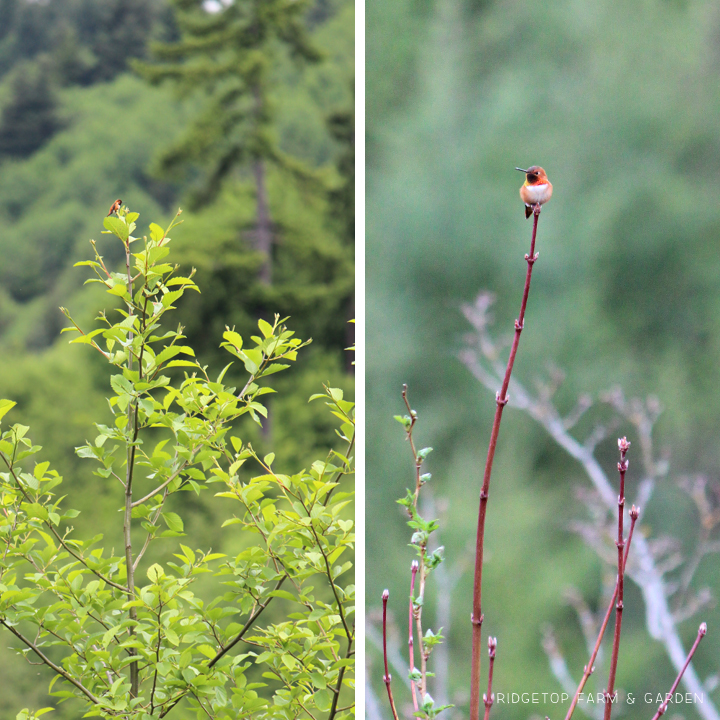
(644, 572)
(161, 487)
(387, 677)
(149, 535)
(247, 625)
(57, 535)
(328, 572)
(411, 647)
(501, 400)
(590, 667)
(127, 519)
(157, 659)
(702, 630)
(51, 664)
(338, 686)
(623, 445)
(489, 697)
(223, 651)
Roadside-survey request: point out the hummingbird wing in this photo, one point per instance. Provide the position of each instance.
(528, 211)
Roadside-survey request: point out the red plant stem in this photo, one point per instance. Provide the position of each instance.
(623, 444)
(409, 433)
(386, 677)
(414, 569)
(501, 400)
(590, 667)
(424, 653)
(702, 630)
(417, 612)
(488, 697)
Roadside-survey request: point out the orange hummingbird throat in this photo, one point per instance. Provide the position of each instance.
(536, 190)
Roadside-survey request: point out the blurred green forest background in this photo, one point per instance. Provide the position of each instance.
(620, 104)
(80, 127)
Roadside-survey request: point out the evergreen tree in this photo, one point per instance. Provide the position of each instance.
(342, 197)
(230, 55)
(30, 117)
(88, 40)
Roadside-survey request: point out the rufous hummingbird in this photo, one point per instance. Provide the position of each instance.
(115, 207)
(536, 189)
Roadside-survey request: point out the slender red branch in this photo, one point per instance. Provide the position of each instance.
(413, 568)
(409, 434)
(386, 677)
(623, 446)
(416, 611)
(489, 697)
(702, 630)
(590, 667)
(501, 400)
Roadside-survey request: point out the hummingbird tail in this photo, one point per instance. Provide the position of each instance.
(528, 211)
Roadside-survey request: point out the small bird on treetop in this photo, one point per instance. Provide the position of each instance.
(115, 207)
(536, 189)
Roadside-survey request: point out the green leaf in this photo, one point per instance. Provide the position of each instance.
(289, 661)
(274, 368)
(156, 232)
(173, 521)
(265, 328)
(121, 385)
(118, 290)
(322, 700)
(5, 406)
(170, 297)
(117, 227)
(155, 573)
(189, 555)
(233, 338)
(110, 634)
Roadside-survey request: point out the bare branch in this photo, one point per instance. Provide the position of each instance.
(702, 630)
(643, 571)
(501, 399)
(387, 678)
(51, 664)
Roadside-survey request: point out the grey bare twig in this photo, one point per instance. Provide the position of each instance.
(480, 356)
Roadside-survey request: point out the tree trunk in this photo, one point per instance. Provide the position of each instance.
(263, 226)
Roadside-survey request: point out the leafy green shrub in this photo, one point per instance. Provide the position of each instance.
(128, 637)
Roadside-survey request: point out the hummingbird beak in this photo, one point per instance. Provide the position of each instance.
(521, 170)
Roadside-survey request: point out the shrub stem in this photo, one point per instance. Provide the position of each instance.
(501, 400)
(411, 647)
(623, 445)
(387, 678)
(590, 667)
(702, 630)
(488, 697)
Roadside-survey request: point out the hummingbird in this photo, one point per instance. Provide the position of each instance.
(115, 207)
(536, 189)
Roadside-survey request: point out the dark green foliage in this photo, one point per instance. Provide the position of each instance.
(89, 40)
(94, 159)
(230, 57)
(282, 244)
(342, 198)
(30, 118)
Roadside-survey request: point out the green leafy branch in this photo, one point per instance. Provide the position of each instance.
(133, 650)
